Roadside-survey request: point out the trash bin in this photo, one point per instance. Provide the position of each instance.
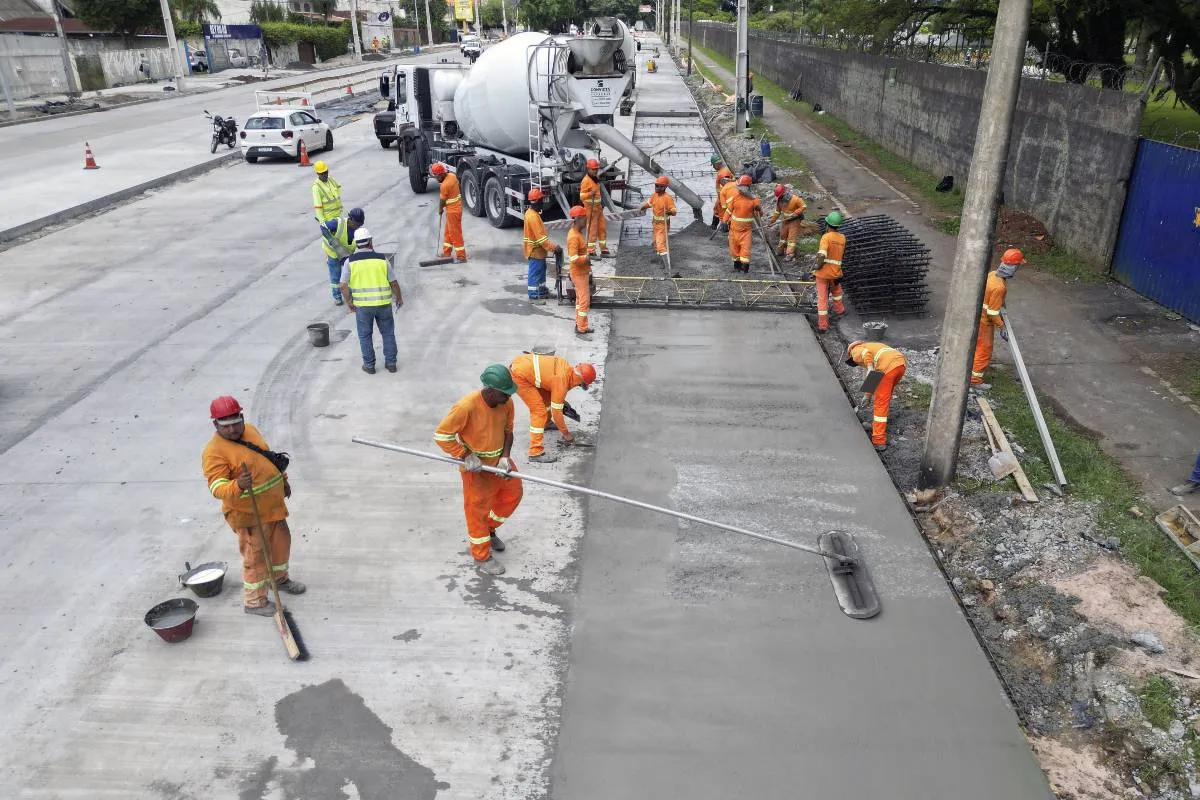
(756, 105)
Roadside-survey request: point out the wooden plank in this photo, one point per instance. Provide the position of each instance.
(989, 420)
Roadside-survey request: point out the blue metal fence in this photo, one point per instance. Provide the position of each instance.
(1158, 246)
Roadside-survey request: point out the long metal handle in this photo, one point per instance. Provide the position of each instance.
(570, 487)
(1039, 420)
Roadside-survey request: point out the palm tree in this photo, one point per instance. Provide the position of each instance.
(196, 10)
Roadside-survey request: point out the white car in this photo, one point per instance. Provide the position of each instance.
(470, 43)
(277, 134)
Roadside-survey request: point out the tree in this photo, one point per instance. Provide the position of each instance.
(492, 14)
(265, 11)
(325, 8)
(196, 10)
(126, 17)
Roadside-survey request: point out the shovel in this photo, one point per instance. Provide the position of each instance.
(1001, 464)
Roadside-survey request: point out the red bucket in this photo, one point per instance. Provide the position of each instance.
(173, 620)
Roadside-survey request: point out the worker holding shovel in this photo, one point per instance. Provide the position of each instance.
(885, 367)
(662, 207)
(789, 213)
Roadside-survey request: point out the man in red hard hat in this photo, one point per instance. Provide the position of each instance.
(990, 321)
(592, 200)
(537, 246)
(789, 213)
(579, 261)
(544, 380)
(662, 207)
(450, 204)
(235, 448)
(743, 208)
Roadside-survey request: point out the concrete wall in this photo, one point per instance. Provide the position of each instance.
(1072, 147)
(32, 66)
(121, 66)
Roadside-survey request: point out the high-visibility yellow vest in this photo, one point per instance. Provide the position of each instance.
(327, 199)
(368, 280)
(342, 235)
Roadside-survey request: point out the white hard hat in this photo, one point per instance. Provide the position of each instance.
(362, 235)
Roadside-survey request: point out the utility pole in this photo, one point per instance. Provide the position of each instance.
(168, 25)
(353, 29)
(971, 258)
(691, 14)
(64, 51)
(504, 16)
(8, 98)
(428, 24)
(742, 105)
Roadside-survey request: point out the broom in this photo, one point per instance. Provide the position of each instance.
(439, 259)
(283, 618)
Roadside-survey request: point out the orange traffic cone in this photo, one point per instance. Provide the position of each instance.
(349, 91)
(89, 160)
(303, 101)
(304, 162)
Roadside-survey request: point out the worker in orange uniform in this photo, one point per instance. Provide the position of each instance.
(592, 200)
(994, 293)
(543, 381)
(723, 174)
(828, 273)
(479, 430)
(724, 196)
(537, 246)
(743, 208)
(234, 446)
(662, 206)
(891, 362)
(579, 261)
(450, 204)
(789, 213)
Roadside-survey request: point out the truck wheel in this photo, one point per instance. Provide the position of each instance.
(496, 204)
(472, 191)
(418, 173)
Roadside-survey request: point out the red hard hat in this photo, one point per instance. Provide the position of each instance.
(586, 373)
(1013, 256)
(744, 180)
(438, 169)
(578, 211)
(224, 406)
(535, 194)
(779, 190)
(662, 180)
(592, 163)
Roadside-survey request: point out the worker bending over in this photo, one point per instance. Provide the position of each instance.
(828, 273)
(479, 431)
(337, 240)
(990, 321)
(326, 194)
(789, 213)
(237, 464)
(450, 204)
(743, 208)
(544, 381)
(662, 206)
(890, 361)
(537, 246)
(593, 200)
(581, 269)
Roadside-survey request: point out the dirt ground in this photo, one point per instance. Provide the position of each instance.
(1079, 640)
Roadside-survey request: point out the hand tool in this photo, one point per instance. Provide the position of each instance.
(283, 618)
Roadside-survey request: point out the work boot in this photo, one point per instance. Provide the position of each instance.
(369, 369)
(1185, 488)
(879, 448)
(338, 301)
(390, 367)
(736, 266)
(580, 333)
(543, 291)
(543, 458)
(497, 544)
(291, 587)
(606, 254)
(489, 567)
(267, 609)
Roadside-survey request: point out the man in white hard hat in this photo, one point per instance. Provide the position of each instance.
(369, 288)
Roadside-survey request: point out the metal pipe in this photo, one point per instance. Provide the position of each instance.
(1040, 420)
(569, 487)
(619, 142)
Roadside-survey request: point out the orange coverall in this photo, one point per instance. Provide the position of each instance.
(452, 239)
(721, 173)
(581, 271)
(788, 215)
(222, 462)
(724, 196)
(994, 293)
(828, 275)
(488, 500)
(663, 207)
(543, 381)
(742, 211)
(591, 199)
(891, 362)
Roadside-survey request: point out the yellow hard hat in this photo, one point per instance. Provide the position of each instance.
(320, 167)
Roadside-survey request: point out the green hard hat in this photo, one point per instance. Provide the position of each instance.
(497, 376)
(716, 159)
(834, 219)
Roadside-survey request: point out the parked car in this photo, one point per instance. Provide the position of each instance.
(471, 45)
(238, 59)
(198, 61)
(277, 134)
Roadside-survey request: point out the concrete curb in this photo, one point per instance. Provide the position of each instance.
(10, 123)
(116, 197)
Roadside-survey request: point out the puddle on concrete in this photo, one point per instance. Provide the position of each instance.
(410, 635)
(519, 307)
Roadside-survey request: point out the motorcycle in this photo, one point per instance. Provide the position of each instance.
(224, 131)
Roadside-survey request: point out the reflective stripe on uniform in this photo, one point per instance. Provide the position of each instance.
(578, 257)
(537, 370)
(557, 406)
(270, 484)
(248, 586)
(489, 453)
(657, 218)
(580, 313)
(444, 437)
(279, 567)
(536, 430)
(492, 515)
(454, 199)
(882, 350)
(975, 374)
(217, 484)
(833, 261)
(879, 419)
(823, 313)
(480, 539)
(742, 219)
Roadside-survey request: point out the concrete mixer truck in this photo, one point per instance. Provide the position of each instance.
(530, 112)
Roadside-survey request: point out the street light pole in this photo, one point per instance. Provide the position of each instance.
(169, 26)
(742, 103)
(64, 50)
(353, 29)
(960, 325)
(428, 24)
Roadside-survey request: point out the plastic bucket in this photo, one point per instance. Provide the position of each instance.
(318, 334)
(205, 580)
(875, 331)
(173, 620)
(764, 148)
(756, 105)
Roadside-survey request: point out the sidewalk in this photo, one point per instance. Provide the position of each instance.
(1088, 347)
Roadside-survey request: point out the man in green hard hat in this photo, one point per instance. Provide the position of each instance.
(479, 431)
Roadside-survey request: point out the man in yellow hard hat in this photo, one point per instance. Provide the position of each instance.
(326, 194)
